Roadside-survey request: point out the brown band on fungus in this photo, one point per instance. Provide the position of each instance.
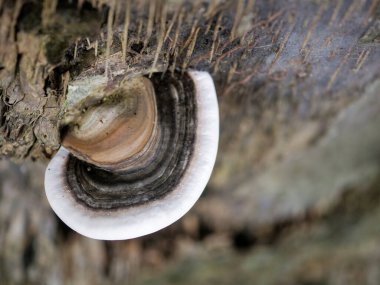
(117, 129)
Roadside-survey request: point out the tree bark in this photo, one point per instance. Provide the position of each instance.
(294, 195)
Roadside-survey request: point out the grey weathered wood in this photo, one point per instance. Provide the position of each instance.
(297, 177)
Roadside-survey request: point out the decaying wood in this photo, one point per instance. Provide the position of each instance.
(297, 176)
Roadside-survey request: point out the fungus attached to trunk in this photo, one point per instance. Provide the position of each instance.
(138, 158)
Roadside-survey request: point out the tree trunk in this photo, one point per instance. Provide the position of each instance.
(294, 197)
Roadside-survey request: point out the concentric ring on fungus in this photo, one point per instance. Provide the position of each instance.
(138, 161)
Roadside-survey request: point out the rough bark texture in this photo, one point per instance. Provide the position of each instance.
(294, 198)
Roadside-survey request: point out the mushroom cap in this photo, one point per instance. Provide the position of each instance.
(143, 218)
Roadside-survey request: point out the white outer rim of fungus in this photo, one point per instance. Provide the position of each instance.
(132, 222)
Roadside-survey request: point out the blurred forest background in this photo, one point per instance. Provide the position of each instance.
(295, 194)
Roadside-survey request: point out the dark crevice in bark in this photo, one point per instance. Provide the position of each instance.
(137, 47)
(3, 110)
(204, 230)
(243, 240)
(109, 256)
(30, 17)
(63, 232)
(29, 254)
(67, 5)
(54, 80)
(17, 65)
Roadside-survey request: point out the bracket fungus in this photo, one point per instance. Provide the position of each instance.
(136, 160)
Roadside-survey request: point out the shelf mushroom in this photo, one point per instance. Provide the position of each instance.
(136, 160)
